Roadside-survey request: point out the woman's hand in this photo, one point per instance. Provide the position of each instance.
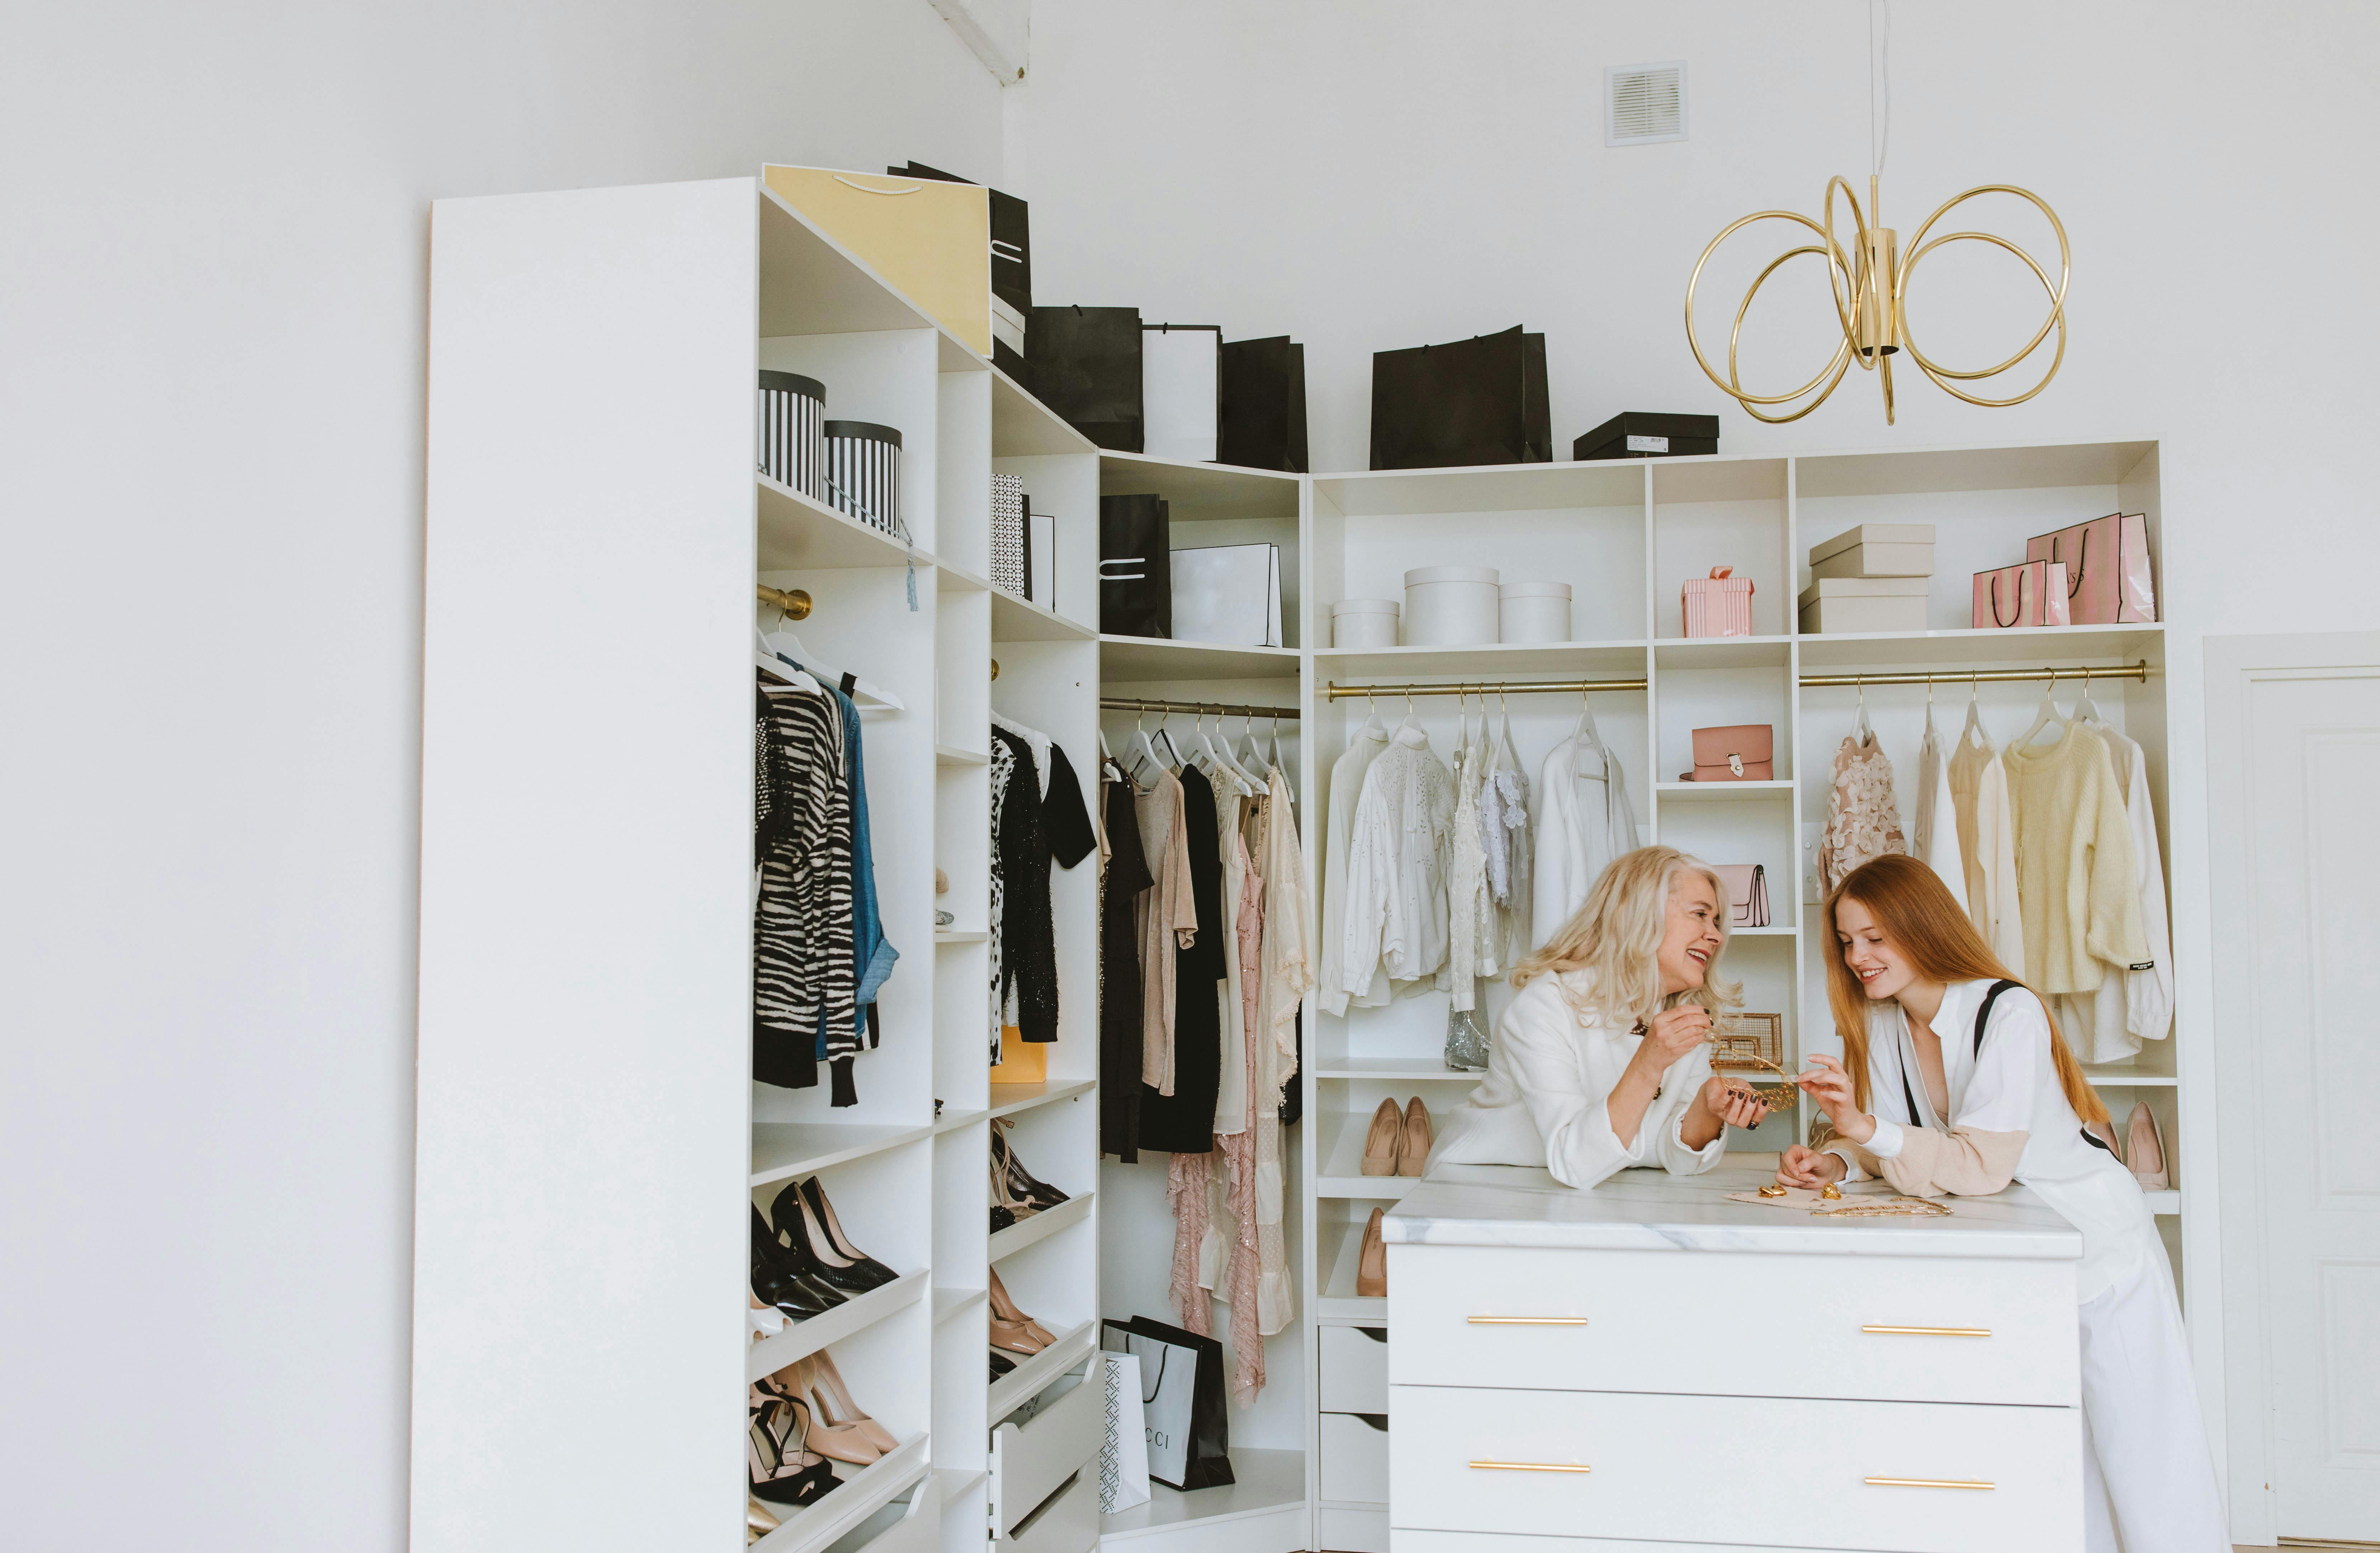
(1827, 1083)
(1673, 1033)
(1809, 1168)
(1719, 1103)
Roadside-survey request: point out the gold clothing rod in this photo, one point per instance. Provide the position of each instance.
(2138, 670)
(795, 602)
(1488, 687)
(1201, 709)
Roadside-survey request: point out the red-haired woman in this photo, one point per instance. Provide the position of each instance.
(1954, 1080)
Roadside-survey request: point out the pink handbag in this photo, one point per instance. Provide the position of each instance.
(2106, 565)
(1742, 753)
(1717, 605)
(1747, 894)
(2030, 594)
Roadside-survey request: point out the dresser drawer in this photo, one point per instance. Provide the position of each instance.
(1764, 1471)
(1900, 1329)
(1029, 1461)
(1354, 1458)
(1354, 1369)
(1068, 1522)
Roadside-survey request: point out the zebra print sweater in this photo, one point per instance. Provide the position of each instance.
(803, 969)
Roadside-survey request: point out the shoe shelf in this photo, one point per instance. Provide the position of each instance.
(1035, 1372)
(855, 1498)
(1040, 1227)
(782, 1150)
(1008, 1100)
(949, 1302)
(951, 1121)
(1344, 1245)
(802, 1339)
(1398, 1070)
(1339, 1153)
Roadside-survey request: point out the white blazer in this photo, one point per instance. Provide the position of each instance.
(1584, 821)
(1550, 1074)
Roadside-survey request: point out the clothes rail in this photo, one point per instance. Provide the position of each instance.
(1486, 687)
(795, 602)
(1202, 709)
(2138, 670)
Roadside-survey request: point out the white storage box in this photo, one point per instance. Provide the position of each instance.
(1863, 604)
(1365, 623)
(1876, 550)
(1532, 611)
(1452, 606)
(1227, 594)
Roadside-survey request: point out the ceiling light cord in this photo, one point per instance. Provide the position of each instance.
(1879, 84)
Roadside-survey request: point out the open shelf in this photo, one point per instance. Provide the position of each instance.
(1721, 792)
(1127, 659)
(1400, 1070)
(1619, 658)
(952, 755)
(1020, 620)
(1040, 1227)
(1722, 652)
(1201, 492)
(854, 1499)
(1033, 1374)
(802, 1339)
(801, 533)
(951, 1122)
(782, 1150)
(1883, 653)
(1339, 1296)
(1023, 426)
(961, 935)
(2164, 1202)
(1504, 488)
(812, 285)
(954, 1302)
(1339, 1153)
(1264, 1482)
(1007, 1100)
(1773, 931)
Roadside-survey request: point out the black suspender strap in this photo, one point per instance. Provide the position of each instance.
(1909, 1096)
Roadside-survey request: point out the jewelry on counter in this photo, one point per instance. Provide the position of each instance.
(1831, 1192)
(1890, 1208)
(1772, 1191)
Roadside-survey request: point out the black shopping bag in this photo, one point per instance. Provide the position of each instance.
(1262, 420)
(1136, 567)
(1476, 401)
(1181, 1401)
(1086, 365)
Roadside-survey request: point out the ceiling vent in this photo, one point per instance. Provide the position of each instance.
(1644, 104)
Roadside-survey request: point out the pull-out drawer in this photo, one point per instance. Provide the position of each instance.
(1731, 1323)
(1029, 1461)
(913, 1527)
(1355, 1465)
(1068, 1522)
(1354, 1369)
(1766, 1471)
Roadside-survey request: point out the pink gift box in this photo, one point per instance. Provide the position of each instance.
(2107, 562)
(2031, 594)
(1717, 605)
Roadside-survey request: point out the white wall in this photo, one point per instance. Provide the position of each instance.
(1377, 173)
(211, 324)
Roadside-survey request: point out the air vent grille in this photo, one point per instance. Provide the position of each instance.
(1644, 104)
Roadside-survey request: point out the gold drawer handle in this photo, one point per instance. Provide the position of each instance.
(1930, 1332)
(1528, 1321)
(1545, 1466)
(1925, 1483)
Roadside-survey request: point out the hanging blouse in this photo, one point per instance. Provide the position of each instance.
(1184, 1122)
(1979, 791)
(2075, 869)
(1346, 791)
(805, 974)
(1124, 875)
(1862, 821)
(1584, 820)
(1165, 918)
(1034, 831)
(1396, 919)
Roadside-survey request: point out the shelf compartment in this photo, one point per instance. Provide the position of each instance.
(2164, 1202)
(812, 285)
(1339, 1172)
(853, 1500)
(1125, 660)
(1927, 471)
(1031, 1375)
(2063, 646)
(782, 1150)
(1266, 1484)
(801, 533)
(1007, 1100)
(1023, 426)
(951, 1122)
(1722, 791)
(1020, 620)
(1201, 492)
(1398, 1070)
(1722, 652)
(1339, 1296)
(802, 1339)
(1504, 488)
(961, 935)
(949, 1302)
(2129, 1078)
(1622, 658)
(952, 755)
(1773, 931)
(1038, 1227)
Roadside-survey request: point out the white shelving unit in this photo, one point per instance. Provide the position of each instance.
(588, 1126)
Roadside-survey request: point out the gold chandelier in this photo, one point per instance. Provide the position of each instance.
(1871, 284)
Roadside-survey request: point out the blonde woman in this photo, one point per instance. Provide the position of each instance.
(1603, 1061)
(1955, 1080)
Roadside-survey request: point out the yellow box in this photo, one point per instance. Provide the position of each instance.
(1021, 1061)
(931, 241)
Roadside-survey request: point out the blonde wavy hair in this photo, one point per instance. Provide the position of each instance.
(1616, 937)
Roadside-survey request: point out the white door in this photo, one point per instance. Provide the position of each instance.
(2297, 723)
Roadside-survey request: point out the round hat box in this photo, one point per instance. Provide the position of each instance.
(1450, 606)
(1365, 623)
(863, 472)
(793, 432)
(1534, 611)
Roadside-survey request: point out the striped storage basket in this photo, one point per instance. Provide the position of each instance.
(863, 472)
(793, 431)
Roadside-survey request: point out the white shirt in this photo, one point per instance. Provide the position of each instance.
(2132, 1004)
(1346, 789)
(1396, 867)
(2011, 1087)
(1584, 822)
(1544, 1102)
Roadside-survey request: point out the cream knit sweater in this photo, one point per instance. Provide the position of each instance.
(2075, 871)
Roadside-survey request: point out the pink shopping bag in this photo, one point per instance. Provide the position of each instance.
(2030, 594)
(2106, 565)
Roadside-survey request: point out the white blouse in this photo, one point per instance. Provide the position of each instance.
(1550, 1073)
(1396, 908)
(2012, 1086)
(1584, 820)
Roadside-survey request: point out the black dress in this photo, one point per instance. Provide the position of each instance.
(1034, 830)
(1120, 1011)
(1184, 1122)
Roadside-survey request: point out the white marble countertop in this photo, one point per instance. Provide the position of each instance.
(1650, 1210)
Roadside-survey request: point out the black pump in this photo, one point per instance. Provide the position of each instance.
(813, 1253)
(782, 1282)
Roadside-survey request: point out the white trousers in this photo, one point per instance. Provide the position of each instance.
(2148, 1482)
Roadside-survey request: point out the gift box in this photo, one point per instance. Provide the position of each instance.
(1876, 550)
(1717, 605)
(2107, 562)
(1865, 604)
(1635, 434)
(2031, 594)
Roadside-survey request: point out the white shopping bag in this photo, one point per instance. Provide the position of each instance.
(1123, 1449)
(1180, 404)
(1229, 594)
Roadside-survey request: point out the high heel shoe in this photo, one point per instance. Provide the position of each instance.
(1413, 1143)
(1005, 1309)
(1372, 1261)
(837, 1441)
(1001, 1364)
(2145, 1149)
(811, 1252)
(1380, 1141)
(1007, 1208)
(815, 1195)
(826, 1383)
(783, 1470)
(1040, 1193)
(776, 1279)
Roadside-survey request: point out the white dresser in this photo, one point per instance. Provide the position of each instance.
(1647, 1368)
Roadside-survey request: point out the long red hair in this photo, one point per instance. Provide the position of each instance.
(1926, 926)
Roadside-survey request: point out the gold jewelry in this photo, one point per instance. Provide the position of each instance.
(1831, 1193)
(1772, 1190)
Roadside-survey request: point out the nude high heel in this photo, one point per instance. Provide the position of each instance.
(827, 1381)
(1372, 1261)
(2145, 1149)
(1381, 1142)
(838, 1441)
(1413, 1145)
(1005, 1310)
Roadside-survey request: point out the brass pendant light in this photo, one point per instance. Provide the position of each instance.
(1871, 289)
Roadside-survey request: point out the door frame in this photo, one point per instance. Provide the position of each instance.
(2234, 665)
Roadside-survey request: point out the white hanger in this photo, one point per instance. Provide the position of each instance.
(784, 643)
(1975, 729)
(787, 676)
(2047, 716)
(1512, 755)
(1859, 723)
(1272, 751)
(1584, 727)
(1221, 757)
(1251, 755)
(1407, 722)
(1105, 754)
(1462, 732)
(1140, 748)
(2086, 709)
